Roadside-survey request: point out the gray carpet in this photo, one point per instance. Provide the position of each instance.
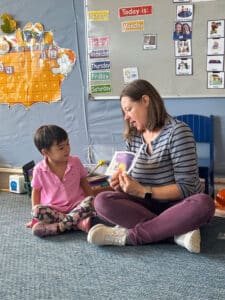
(67, 267)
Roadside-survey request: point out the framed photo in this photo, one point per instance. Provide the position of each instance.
(215, 63)
(215, 28)
(184, 66)
(150, 42)
(215, 46)
(185, 12)
(180, 1)
(183, 48)
(182, 30)
(215, 80)
(130, 74)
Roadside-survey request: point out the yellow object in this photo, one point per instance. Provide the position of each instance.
(9, 24)
(101, 162)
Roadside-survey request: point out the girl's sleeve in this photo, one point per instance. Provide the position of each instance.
(83, 170)
(35, 181)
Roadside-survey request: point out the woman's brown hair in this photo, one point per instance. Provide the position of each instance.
(157, 113)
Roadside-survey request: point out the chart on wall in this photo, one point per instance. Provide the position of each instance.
(127, 41)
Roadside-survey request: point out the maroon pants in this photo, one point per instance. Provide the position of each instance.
(152, 221)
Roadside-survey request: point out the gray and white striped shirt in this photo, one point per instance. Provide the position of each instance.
(173, 159)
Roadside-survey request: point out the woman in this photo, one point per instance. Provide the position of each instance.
(162, 196)
(178, 34)
(187, 34)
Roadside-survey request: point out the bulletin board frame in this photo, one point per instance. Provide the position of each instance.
(122, 50)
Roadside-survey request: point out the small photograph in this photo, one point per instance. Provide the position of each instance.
(180, 1)
(215, 46)
(215, 28)
(130, 74)
(182, 48)
(185, 12)
(182, 31)
(150, 42)
(184, 66)
(215, 63)
(215, 80)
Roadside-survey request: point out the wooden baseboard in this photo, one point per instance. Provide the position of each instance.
(4, 176)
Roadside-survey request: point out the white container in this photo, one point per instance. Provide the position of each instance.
(16, 184)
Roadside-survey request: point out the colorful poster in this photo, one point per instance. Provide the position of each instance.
(32, 67)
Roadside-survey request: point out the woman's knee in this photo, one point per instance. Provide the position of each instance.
(102, 201)
(204, 203)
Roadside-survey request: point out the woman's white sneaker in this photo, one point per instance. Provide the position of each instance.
(104, 235)
(190, 240)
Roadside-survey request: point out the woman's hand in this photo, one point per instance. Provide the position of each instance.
(131, 186)
(114, 180)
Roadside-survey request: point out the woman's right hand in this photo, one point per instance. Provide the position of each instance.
(114, 180)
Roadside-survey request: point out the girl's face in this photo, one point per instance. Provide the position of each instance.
(136, 113)
(58, 153)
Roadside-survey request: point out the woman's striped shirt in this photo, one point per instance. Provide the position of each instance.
(173, 159)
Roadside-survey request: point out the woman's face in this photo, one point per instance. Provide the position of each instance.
(136, 113)
(185, 28)
(178, 27)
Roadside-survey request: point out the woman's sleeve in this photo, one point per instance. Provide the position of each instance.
(184, 159)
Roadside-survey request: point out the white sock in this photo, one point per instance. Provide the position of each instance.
(190, 240)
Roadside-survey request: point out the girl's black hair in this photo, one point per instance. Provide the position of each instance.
(47, 135)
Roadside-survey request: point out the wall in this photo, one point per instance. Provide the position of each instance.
(94, 127)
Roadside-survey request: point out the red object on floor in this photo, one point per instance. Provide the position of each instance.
(220, 199)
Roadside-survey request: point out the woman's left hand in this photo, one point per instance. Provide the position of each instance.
(131, 186)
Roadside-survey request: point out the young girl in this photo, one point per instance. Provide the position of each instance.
(61, 195)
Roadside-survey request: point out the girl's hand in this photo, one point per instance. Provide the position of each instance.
(130, 186)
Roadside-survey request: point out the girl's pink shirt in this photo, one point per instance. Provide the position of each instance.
(63, 195)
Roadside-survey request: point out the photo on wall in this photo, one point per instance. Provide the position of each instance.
(215, 80)
(185, 12)
(130, 74)
(215, 46)
(215, 63)
(182, 31)
(182, 48)
(150, 42)
(180, 1)
(184, 66)
(215, 28)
